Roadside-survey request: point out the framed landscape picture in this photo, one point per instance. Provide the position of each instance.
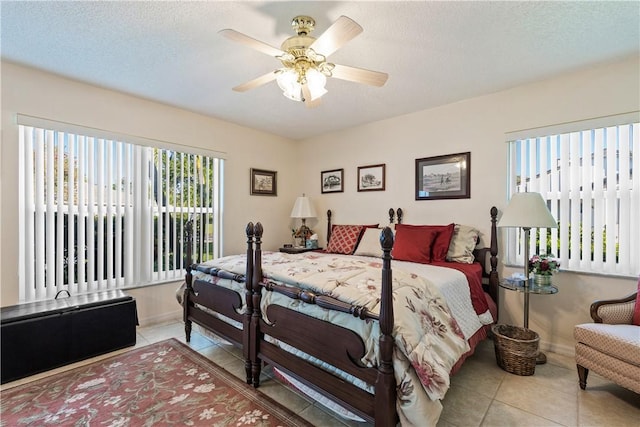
(264, 183)
(444, 177)
(371, 178)
(332, 181)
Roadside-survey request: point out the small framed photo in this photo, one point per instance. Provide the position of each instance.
(444, 177)
(264, 183)
(332, 181)
(371, 178)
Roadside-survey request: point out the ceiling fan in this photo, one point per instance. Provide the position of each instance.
(304, 60)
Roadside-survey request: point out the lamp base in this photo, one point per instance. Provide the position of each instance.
(541, 359)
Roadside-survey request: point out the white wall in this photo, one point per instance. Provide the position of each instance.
(477, 125)
(31, 92)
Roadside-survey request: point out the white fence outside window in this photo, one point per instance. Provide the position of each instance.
(100, 213)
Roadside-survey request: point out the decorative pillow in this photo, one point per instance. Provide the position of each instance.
(370, 243)
(344, 239)
(463, 242)
(413, 243)
(636, 310)
(441, 245)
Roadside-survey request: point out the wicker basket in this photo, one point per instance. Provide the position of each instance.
(516, 349)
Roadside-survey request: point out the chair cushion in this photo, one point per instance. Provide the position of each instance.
(619, 341)
(619, 371)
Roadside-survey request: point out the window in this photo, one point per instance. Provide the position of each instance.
(99, 213)
(587, 178)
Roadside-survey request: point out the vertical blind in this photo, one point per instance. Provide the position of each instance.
(100, 213)
(587, 178)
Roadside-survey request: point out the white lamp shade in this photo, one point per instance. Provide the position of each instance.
(288, 82)
(303, 208)
(527, 210)
(316, 82)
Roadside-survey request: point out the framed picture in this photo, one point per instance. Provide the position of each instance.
(371, 178)
(444, 177)
(332, 181)
(264, 183)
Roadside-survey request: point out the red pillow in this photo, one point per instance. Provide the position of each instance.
(413, 243)
(636, 310)
(442, 240)
(344, 239)
(441, 245)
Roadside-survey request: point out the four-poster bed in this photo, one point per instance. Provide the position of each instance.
(333, 331)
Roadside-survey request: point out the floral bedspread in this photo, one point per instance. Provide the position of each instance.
(428, 338)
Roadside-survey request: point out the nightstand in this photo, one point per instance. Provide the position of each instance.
(532, 288)
(296, 250)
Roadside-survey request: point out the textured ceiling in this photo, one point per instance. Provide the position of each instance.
(434, 52)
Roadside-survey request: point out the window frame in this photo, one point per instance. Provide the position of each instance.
(149, 209)
(570, 140)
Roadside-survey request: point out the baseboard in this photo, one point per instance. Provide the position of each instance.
(161, 318)
(561, 349)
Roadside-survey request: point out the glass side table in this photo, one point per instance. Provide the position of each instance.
(527, 289)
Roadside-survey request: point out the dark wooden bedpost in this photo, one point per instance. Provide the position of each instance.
(247, 343)
(493, 275)
(399, 214)
(328, 225)
(188, 290)
(385, 387)
(256, 296)
(392, 215)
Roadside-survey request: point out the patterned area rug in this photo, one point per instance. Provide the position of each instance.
(163, 384)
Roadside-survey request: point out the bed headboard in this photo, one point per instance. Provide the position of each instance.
(487, 256)
(392, 215)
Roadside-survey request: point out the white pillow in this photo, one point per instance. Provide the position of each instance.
(463, 242)
(370, 243)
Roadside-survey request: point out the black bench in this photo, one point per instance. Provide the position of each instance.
(43, 335)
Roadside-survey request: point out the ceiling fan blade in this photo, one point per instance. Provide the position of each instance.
(359, 75)
(259, 81)
(306, 94)
(251, 42)
(336, 36)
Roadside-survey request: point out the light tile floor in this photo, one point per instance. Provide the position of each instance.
(481, 394)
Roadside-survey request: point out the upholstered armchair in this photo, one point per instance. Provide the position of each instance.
(611, 345)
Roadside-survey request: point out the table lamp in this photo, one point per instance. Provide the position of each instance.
(303, 209)
(526, 211)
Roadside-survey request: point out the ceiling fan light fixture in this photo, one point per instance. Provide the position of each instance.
(316, 82)
(288, 81)
(305, 69)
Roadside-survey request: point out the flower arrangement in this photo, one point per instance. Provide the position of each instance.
(544, 265)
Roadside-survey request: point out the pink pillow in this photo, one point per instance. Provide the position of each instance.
(344, 239)
(413, 243)
(636, 310)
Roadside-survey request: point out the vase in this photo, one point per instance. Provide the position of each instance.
(542, 279)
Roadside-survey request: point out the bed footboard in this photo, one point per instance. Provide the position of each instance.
(333, 344)
(318, 339)
(204, 303)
